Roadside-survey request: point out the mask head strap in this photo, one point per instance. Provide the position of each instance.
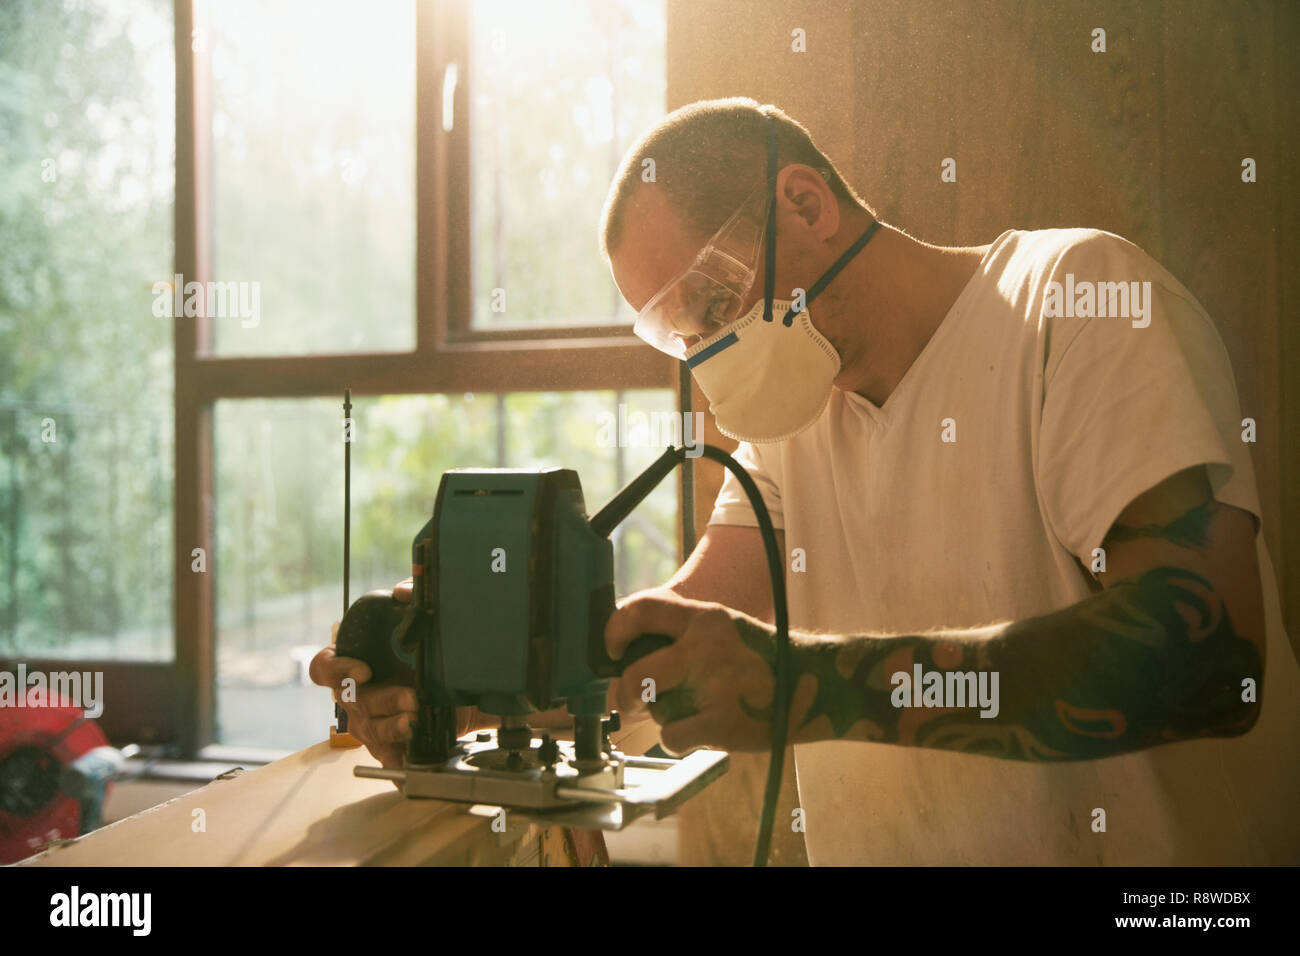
(835, 268)
(769, 273)
(769, 278)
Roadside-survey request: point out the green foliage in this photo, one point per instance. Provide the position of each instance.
(560, 90)
(280, 487)
(313, 147)
(85, 229)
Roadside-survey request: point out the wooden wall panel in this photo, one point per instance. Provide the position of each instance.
(1286, 258)
(1044, 132)
(1220, 232)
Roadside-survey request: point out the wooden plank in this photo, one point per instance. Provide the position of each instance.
(305, 810)
(308, 809)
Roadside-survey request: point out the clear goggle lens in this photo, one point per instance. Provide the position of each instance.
(687, 312)
(709, 295)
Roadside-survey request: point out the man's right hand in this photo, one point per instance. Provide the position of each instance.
(380, 716)
(402, 591)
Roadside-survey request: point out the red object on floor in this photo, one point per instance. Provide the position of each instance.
(35, 744)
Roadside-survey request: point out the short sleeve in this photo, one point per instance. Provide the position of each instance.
(732, 505)
(1126, 407)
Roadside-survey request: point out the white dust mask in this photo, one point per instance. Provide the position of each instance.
(766, 381)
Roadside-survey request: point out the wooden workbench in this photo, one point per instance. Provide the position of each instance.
(306, 810)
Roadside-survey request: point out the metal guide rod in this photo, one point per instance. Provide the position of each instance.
(341, 715)
(347, 492)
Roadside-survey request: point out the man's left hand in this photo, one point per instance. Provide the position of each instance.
(712, 686)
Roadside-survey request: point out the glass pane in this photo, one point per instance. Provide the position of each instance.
(558, 91)
(279, 561)
(313, 148)
(86, 147)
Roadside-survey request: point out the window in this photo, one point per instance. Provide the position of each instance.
(279, 482)
(558, 92)
(218, 216)
(378, 184)
(313, 173)
(86, 135)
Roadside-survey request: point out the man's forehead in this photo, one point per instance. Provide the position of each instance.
(656, 246)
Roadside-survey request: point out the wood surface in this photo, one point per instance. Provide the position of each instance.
(308, 809)
(305, 810)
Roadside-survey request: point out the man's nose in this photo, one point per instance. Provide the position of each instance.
(687, 342)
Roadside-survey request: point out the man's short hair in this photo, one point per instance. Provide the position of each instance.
(708, 157)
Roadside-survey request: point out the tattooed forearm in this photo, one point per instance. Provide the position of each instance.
(1146, 662)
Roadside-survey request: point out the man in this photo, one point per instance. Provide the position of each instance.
(1033, 611)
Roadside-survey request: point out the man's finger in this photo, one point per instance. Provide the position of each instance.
(681, 736)
(648, 614)
(385, 701)
(321, 667)
(390, 756)
(381, 701)
(402, 591)
(390, 730)
(674, 704)
(663, 670)
(328, 669)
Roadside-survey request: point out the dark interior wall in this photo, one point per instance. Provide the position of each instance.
(1145, 140)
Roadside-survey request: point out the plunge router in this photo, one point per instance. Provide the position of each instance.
(512, 588)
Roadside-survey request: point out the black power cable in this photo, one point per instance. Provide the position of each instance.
(622, 504)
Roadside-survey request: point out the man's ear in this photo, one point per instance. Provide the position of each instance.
(802, 190)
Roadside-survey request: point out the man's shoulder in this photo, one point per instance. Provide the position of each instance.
(1090, 256)
(1052, 251)
(1071, 279)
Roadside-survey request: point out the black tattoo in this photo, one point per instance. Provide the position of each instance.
(1149, 661)
(1190, 530)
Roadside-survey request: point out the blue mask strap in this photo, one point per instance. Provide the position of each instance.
(834, 270)
(769, 277)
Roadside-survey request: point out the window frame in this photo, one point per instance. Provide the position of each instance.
(449, 356)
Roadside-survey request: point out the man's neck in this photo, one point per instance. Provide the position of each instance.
(903, 291)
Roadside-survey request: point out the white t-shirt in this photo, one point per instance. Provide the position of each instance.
(1059, 423)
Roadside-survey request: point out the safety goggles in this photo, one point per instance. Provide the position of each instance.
(709, 295)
